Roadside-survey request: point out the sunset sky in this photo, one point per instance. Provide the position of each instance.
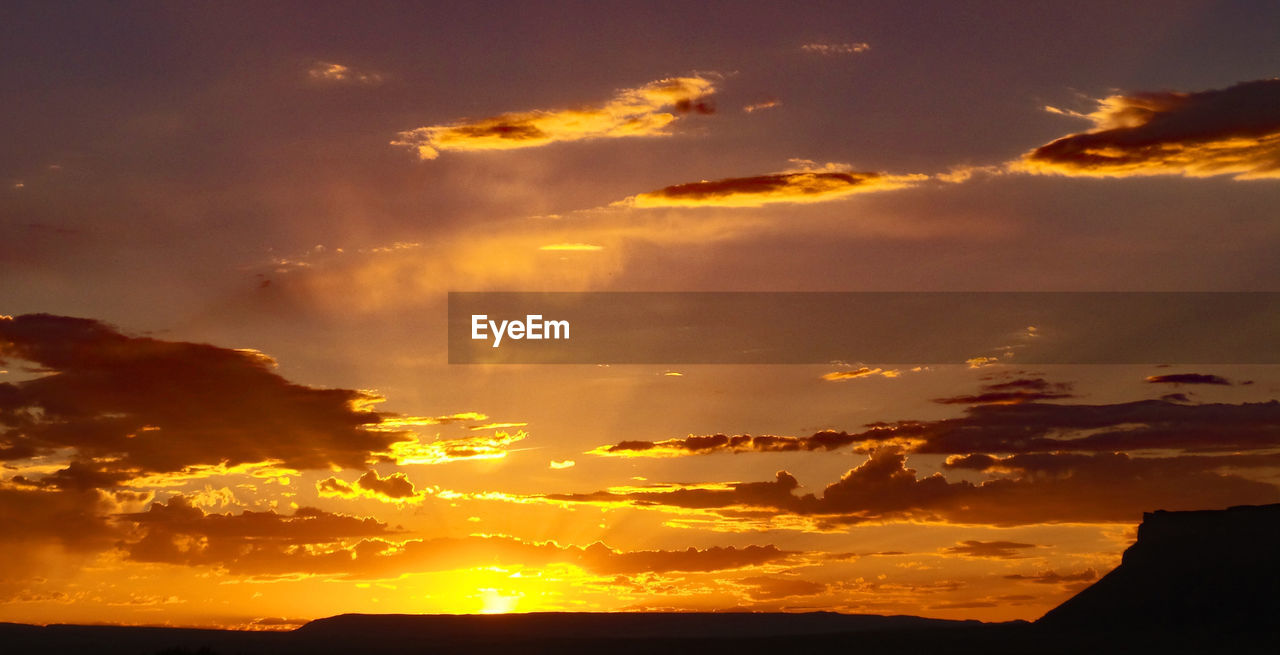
(227, 232)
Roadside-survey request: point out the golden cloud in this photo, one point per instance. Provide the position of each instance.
(1233, 131)
(395, 488)
(642, 111)
(809, 185)
(861, 372)
(401, 422)
(493, 446)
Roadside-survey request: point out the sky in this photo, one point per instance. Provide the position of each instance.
(227, 232)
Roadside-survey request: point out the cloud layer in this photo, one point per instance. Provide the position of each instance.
(1037, 462)
(313, 541)
(1008, 418)
(1022, 490)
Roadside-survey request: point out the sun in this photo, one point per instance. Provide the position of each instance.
(494, 602)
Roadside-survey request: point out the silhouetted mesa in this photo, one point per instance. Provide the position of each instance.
(1214, 572)
(612, 625)
(561, 633)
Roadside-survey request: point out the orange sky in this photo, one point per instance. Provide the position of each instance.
(227, 233)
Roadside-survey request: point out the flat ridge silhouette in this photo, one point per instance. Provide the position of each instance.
(614, 625)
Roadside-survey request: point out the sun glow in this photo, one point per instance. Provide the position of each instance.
(495, 602)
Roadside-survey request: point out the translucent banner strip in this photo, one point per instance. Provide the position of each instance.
(870, 327)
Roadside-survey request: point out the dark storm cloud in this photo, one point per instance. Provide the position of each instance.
(131, 406)
(1232, 131)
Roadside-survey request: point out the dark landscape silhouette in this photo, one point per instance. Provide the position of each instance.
(1194, 582)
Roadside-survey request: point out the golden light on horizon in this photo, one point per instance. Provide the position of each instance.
(571, 247)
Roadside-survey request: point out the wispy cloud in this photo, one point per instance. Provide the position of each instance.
(648, 110)
(330, 72)
(809, 184)
(761, 105)
(860, 372)
(738, 443)
(1188, 378)
(1233, 131)
(1010, 417)
(1021, 390)
(989, 549)
(830, 49)
(493, 446)
(1053, 577)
